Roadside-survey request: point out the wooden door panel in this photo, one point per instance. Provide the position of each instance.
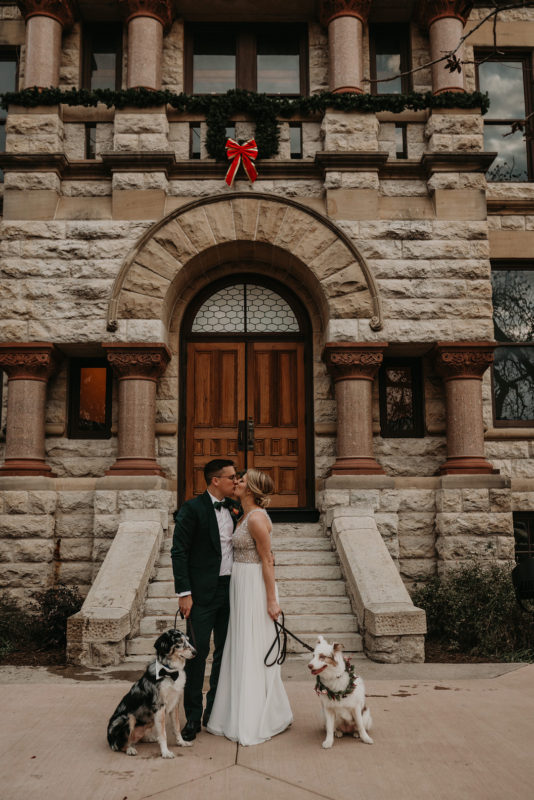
(215, 405)
(276, 392)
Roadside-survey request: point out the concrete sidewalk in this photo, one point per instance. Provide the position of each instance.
(441, 731)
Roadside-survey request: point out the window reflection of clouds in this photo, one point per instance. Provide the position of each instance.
(388, 65)
(511, 162)
(503, 80)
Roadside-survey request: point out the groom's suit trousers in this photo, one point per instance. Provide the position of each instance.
(212, 616)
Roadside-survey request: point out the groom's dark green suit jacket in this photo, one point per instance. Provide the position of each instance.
(196, 549)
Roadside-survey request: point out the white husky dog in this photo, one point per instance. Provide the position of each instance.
(342, 693)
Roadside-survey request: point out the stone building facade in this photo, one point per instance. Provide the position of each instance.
(377, 233)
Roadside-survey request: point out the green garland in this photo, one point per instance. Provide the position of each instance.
(265, 111)
(320, 688)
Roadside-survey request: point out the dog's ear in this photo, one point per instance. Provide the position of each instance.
(338, 647)
(320, 639)
(161, 645)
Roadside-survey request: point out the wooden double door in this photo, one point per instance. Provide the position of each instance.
(246, 402)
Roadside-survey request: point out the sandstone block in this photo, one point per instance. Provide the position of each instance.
(100, 549)
(389, 500)
(76, 573)
(40, 551)
(417, 500)
(22, 525)
(417, 546)
(523, 501)
(26, 576)
(350, 131)
(413, 523)
(75, 549)
(331, 498)
(473, 524)
(74, 525)
(387, 524)
(475, 499)
(42, 502)
(412, 649)
(467, 546)
(105, 502)
(417, 569)
(16, 502)
(106, 525)
(72, 502)
(368, 497)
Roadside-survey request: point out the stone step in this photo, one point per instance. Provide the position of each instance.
(286, 588)
(352, 643)
(155, 606)
(320, 623)
(283, 573)
(283, 557)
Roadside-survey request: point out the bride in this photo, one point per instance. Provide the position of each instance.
(251, 704)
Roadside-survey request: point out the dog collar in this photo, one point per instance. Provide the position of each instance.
(320, 688)
(164, 672)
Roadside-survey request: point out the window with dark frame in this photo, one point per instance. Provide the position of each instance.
(513, 366)
(102, 62)
(9, 61)
(507, 78)
(401, 143)
(270, 58)
(295, 140)
(194, 140)
(400, 383)
(90, 140)
(524, 535)
(90, 386)
(390, 56)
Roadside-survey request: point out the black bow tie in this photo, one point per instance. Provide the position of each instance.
(218, 504)
(167, 673)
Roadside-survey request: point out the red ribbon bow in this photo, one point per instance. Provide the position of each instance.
(248, 152)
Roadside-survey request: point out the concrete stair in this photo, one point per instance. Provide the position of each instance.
(312, 593)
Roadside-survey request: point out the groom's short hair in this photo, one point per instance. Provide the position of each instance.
(214, 468)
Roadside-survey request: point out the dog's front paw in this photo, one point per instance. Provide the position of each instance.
(183, 743)
(167, 754)
(367, 739)
(338, 734)
(328, 743)
(131, 751)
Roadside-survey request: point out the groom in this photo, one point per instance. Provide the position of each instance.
(202, 557)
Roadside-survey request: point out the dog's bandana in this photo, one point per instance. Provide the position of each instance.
(163, 672)
(320, 688)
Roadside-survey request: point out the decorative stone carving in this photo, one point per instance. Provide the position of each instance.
(432, 10)
(463, 360)
(331, 9)
(61, 10)
(348, 362)
(162, 10)
(140, 362)
(354, 365)
(31, 362)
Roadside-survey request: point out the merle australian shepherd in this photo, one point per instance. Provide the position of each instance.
(141, 712)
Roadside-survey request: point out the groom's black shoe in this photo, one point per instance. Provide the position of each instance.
(190, 730)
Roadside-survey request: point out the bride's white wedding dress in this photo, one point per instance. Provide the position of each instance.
(251, 704)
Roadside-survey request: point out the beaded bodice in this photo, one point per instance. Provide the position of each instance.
(244, 545)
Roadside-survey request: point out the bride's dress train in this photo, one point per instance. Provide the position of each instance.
(251, 703)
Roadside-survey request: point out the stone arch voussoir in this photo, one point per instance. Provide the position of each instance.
(255, 227)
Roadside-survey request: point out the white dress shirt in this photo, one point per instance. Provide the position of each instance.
(226, 530)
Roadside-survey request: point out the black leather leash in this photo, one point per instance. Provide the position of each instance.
(189, 628)
(280, 641)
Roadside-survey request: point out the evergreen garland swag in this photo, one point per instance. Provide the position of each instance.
(264, 110)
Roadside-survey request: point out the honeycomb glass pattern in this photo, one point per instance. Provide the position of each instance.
(267, 312)
(245, 309)
(223, 312)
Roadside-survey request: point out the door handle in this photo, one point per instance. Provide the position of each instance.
(250, 434)
(241, 434)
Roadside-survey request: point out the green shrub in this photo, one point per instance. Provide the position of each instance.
(473, 610)
(41, 625)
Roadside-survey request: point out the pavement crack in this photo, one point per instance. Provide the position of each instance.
(182, 783)
(288, 783)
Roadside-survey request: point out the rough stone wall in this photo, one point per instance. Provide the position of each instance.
(61, 534)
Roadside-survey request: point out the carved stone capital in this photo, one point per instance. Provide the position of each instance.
(64, 11)
(432, 10)
(331, 9)
(162, 10)
(354, 360)
(139, 361)
(463, 360)
(35, 361)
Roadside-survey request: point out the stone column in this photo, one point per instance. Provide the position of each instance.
(345, 20)
(445, 20)
(461, 365)
(45, 21)
(28, 367)
(138, 367)
(147, 20)
(353, 366)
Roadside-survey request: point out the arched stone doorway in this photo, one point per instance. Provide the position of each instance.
(246, 353)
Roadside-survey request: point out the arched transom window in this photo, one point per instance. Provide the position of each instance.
(245, 308)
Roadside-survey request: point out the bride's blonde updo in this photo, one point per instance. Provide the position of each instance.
(260, 485)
